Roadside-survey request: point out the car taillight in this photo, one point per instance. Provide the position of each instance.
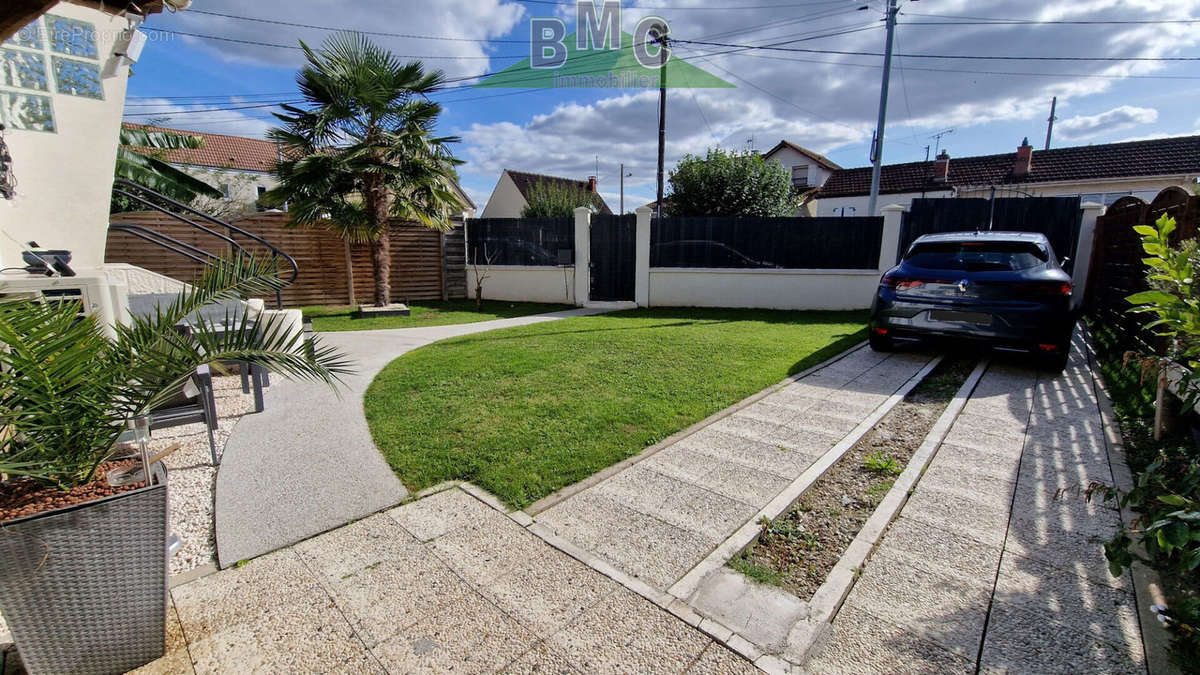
(1062, 288)
(900, 283)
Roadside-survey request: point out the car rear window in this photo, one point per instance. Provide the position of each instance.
(977, 255)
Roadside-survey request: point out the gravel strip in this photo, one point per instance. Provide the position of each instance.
(192, 478)
(799, 548)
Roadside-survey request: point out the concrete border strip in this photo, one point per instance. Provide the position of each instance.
(747, 533)
(551, 500)
(1147, 584)
(680, 610)
(828, 598)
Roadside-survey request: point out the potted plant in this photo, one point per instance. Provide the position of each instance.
(83, 577)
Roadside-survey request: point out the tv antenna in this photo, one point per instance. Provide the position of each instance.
(937, 139)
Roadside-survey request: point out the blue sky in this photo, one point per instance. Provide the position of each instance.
(823, 101)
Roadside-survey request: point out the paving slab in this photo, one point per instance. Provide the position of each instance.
(864, 643)
(624, 633)
(307, 464)
(916, 544)
(1022, 642)
(659, 518)
(482, 595)
(763, 614)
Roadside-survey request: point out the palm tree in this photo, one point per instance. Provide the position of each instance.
(362, 151)
(141, 166)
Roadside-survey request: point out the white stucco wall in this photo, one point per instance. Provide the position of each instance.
(520, 283)
(506, 200)
(64, 178)
(765, 289)
(834, 206)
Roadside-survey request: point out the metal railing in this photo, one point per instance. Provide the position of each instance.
(155, 201)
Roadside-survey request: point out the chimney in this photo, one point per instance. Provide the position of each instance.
(1024, 161)
(941, 167)
(592, 184)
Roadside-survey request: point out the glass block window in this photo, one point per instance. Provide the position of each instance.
(24, 70)
(29, 37)
(71, 37)
(77, 78)
(28, 112)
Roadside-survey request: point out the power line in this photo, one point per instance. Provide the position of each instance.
(965, 71)
(677, 8)
(983, 21)
(277, 45)
(412, 36)
(978, 57)
(189, 112)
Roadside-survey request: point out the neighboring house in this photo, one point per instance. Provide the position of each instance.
(808, 169)
(240, 167)
(511, 194)
(62, 92)
(1097, 173)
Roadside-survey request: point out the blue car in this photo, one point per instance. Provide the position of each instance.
(1005, 289)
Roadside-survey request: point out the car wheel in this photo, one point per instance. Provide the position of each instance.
(880, 343)
(1057, 362)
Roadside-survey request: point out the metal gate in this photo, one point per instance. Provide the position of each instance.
(1058, 218)
(613, 240)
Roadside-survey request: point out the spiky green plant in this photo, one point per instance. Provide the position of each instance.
(67, 390)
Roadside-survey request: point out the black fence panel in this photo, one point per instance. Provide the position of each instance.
(1058, 218)
(521, 241)
(766, 243)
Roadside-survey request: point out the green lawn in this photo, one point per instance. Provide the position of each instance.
(525, 411)
(327, 318)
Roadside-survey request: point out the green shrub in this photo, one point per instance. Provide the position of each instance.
(881, 462)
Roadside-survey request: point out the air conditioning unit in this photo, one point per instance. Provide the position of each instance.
(108, 302)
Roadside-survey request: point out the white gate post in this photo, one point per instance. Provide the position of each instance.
(1082, 255)
(641, 267)
(890, 243)
(583, 255)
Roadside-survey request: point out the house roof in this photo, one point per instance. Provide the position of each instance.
(16, 14)
(819, 159)
(219, 151)
(1158, 157)
(525, 181)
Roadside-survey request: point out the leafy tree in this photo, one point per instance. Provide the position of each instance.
(362, 151)
(730, 183)
(553, 199)
(140, 158)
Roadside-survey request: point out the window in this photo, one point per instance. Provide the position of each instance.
(977, 256)
(225, 190)
(66, 51)
(259, 204)
(800, 175)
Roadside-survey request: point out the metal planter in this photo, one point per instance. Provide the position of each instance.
(84, 588)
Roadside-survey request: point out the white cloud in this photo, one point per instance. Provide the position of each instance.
(1122, 117)
(460, 20)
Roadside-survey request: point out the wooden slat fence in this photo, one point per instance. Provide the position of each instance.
(1117, 270)
(426, 264)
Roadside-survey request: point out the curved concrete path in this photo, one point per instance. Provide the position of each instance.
(307, 463)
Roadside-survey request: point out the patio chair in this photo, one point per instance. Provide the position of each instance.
(193, 402)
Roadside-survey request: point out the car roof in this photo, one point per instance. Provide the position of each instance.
(985, 235)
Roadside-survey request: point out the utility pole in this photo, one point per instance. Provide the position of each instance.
(661, 39)
(1050, 122)
(623, 177)
(877, 145)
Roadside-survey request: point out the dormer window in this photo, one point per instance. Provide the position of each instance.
(800, 176)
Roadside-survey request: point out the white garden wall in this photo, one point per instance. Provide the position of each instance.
(520, 283)
(763, 289)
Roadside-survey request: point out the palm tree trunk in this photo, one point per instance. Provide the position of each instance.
(381, 261)
(376, 201)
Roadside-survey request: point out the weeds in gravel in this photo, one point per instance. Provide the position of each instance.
(881, 462)
(760, 573)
